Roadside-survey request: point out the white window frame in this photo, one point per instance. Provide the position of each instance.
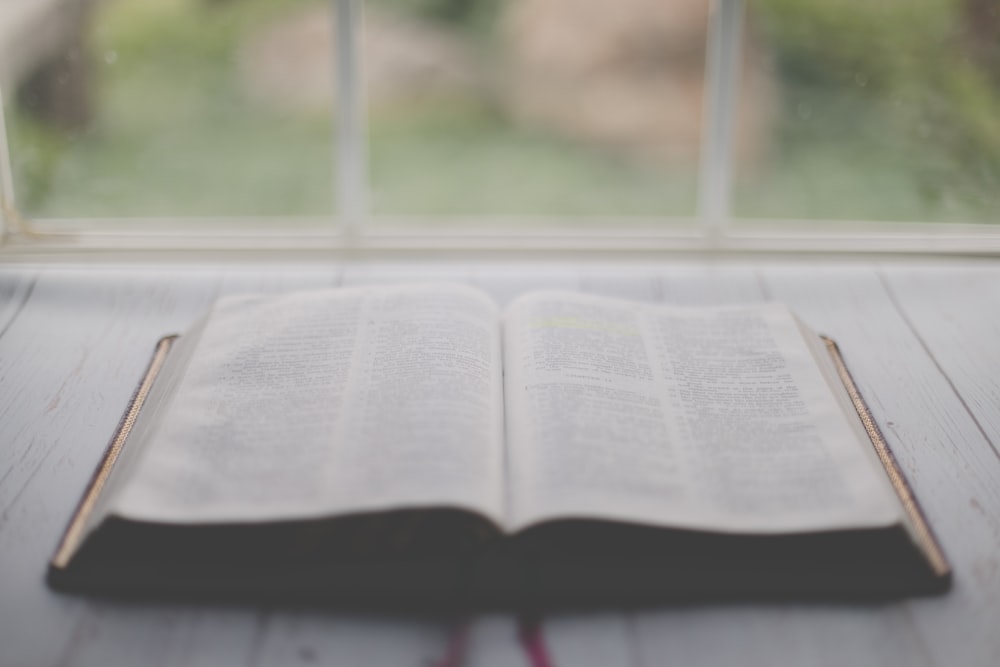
(349, 233)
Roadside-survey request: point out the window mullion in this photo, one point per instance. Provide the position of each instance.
(7, 202)
(722, 81)
(351, 178)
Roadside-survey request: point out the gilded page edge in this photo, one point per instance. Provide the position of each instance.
(927, 542)
(74, 531)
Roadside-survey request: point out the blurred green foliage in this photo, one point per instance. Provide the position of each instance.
(37, 150)
(467, 159)
(173, 133)
(890, 110)
(472, 15)
(908, 78)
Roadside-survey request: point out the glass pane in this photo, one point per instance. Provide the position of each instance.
(535, 107)
(174, 108)
(883, 110)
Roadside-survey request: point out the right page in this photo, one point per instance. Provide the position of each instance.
(704, 418)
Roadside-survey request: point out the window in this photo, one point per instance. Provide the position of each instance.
(777, 124)
(883, 111)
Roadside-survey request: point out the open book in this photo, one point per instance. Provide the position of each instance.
(414, 444)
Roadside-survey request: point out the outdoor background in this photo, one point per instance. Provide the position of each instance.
(582, 109)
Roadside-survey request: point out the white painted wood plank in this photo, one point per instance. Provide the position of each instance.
(941, 450)
(123, 313)
(622, 282)
(492, 641)
(595, 639)
(109, 634)
(15, 289)
(71, 359)
(710, 284)
(955, 474)
(337, 640)
(189, 634)
(396, 273)
(955, 311)
(505, 282)
(276, 279)
(79, 334)
(764, 634)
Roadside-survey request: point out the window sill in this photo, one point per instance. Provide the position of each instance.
(406, 237)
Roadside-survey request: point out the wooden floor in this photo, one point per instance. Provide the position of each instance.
(923, 340)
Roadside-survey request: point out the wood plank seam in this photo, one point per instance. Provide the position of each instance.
(765, 290)
(20, 306)
(934, 360)
(47, 451)
(916, 636)
(261, 623)
(656, 288)
(632, 635)
(88, 619)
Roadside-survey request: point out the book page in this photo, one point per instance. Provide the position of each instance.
(714, 419)
(327, 402)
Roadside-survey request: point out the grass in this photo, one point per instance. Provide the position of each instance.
(468, 161)
(846, 156)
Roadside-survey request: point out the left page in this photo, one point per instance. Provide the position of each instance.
(327, 402)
